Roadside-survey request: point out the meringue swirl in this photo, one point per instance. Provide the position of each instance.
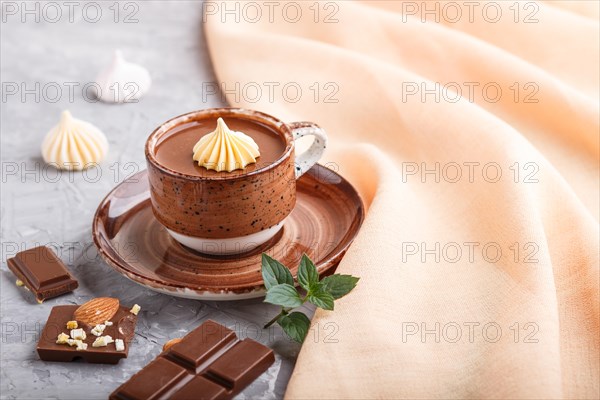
(225, 150)
(74, 144)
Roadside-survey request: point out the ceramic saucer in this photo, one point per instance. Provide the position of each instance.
(327, 217)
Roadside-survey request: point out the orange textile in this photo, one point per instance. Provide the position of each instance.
(474, 142)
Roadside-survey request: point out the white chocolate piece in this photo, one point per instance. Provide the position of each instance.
(119, 344)
(63, 338)
(98, 329)
(72, 325)
(78, 334)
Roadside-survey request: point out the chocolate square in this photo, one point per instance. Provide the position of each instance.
(209, 363)
(42, 272)
(123, 327)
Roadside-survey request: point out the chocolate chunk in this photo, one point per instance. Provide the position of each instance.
(42, 272)
(209, 363)
(200, 344)
(155, 381)
(200, 388)
(234, 369)
(122, 328)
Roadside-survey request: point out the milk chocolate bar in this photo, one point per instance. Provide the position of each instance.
(122, 328)
(42, 272)
(208, 363)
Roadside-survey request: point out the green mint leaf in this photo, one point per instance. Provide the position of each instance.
(321, 299)
(295, 325)
(284, 295)
(338, 285)
(274, 272)
(308, 277)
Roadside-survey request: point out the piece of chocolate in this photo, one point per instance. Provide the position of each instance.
(209, 363)
(42, 272)
(122, 328)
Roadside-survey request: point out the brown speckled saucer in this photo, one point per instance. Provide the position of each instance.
(327, 217)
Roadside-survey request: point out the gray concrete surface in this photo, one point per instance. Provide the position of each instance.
(41, 206)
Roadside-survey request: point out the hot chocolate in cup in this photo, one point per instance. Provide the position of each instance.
(219, 212)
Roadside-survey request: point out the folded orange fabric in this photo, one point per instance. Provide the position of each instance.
(473, 137)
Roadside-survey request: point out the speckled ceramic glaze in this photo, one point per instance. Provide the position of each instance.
(325, 220)
(230, 213)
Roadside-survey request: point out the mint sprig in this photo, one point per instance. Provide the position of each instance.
(283, 295)
(322, 293)
(274, 272)
(339, 285)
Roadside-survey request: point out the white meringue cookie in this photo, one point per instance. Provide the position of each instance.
(225, 150)
(122, 81)
(74, 144)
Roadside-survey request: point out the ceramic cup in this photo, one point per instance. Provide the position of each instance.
(223, 214)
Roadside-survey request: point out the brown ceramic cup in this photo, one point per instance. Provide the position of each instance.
(225, 213)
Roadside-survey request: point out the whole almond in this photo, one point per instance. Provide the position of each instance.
(97, 311)
(170, 343)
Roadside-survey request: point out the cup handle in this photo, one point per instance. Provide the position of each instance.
(311, 156)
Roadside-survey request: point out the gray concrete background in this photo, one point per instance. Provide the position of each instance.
(42, 206)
